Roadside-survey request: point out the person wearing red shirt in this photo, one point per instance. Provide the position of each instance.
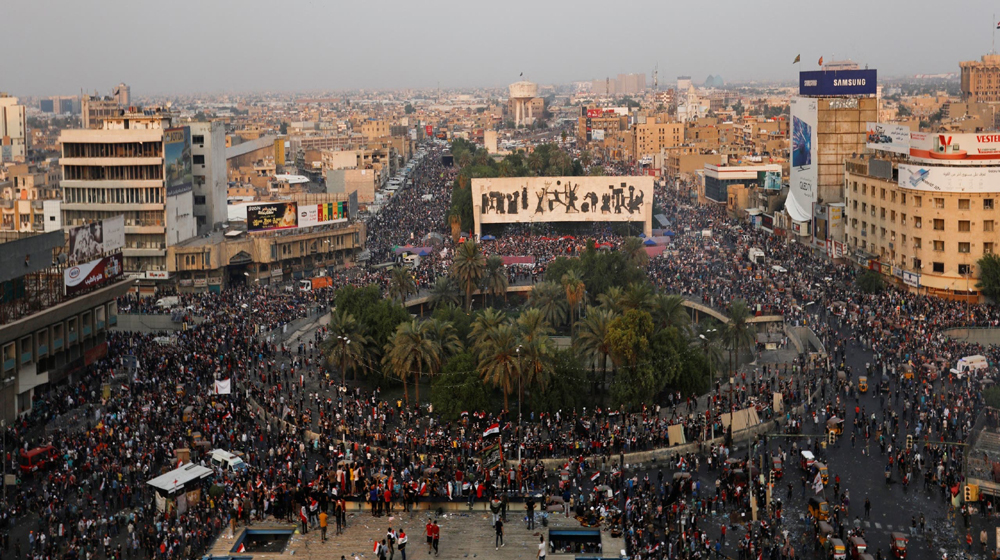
(436, 535)
(430, 535)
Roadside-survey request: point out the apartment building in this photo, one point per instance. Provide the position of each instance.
(654, 137)
(981, 79)
(208, 162)
(13, 130)
(924, 226)
(138, 166)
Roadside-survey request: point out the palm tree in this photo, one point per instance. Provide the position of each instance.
(348, 347)
(549, 298)
(484, 329)
(637, 296)
(738, 333)
(444, 292)
(612, 299)
(669, 311)
(468, 267)
(401, 283)
(495, 277)
(535, 349)
(575, 292)
(446, 337)
(586, 158)
(412, 350)
(499, 361)
(635, 251)
(592, 339)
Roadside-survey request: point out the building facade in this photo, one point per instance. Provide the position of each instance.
(653, 137)
(13, 130)
(981, 79)
(208, 162)
(119, 169)
(924, 226)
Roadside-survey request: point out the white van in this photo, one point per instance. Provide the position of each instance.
(970, 364)
(755, 255)
(779, 269)
(227, 461)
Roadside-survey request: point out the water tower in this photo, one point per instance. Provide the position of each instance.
(521, 93)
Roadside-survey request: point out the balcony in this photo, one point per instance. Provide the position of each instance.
(8, 364)
(57, 345)
(26, 357)
(43, 350)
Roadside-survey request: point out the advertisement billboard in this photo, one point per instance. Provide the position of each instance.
(321, 214)
(563, 199)
(597, 134)
(177, 174)
(429, 130)
(93, 274)
(968, 148)
(804, 171)
(274, 215)
(769, 180)
(888, 137)
(607, 112)
(949, 179)
(838, 82)
(94, 239)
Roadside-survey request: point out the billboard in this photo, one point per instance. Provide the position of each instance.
(177, 174)
(804, 171)
(274, 215)
(563, 199)
(769, 180)
(838, 82)
(429, 130)
(949, 179)
(597, 134)
(888, 137)
(321, 214)
(607, 112)
(91, 240)
(93, 274)
(956, 148)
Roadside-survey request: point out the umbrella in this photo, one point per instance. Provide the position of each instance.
(432, 470)
(649, 242)
(642, 236)
(488, 238)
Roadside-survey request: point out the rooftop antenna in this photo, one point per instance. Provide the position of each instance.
(993, 47)
(655, 81)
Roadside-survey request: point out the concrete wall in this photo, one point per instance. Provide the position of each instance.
(148, 323)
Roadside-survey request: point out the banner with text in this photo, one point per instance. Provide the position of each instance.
(888, 137)
(91, 240)
(93, 274)
(274, 215)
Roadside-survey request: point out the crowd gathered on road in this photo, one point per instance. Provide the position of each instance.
(313, 444)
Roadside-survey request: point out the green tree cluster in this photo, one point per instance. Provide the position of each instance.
(989, 276)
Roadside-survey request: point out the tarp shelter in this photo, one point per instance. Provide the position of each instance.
(414, 250)
(654, 251)
(488, 238)
(741, 419)
(662, 219)
(649, 242)
(676, 434)
(180, 487)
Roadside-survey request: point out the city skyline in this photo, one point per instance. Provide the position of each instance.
(446, 44)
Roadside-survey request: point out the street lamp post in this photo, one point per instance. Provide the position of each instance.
(519, 375)
(343, 357)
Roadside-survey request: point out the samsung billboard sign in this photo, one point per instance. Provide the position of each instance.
(838, 82)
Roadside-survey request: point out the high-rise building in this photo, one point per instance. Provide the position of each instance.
(13, 130)
(138, 166)
(94, 109)
(122, 94)
(981, 79)
(208, 162)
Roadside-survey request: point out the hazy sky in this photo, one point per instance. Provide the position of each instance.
(185, 46)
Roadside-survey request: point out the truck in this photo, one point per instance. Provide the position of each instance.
(756, 255)
(969, 365)
(168, 302)
(315, 283)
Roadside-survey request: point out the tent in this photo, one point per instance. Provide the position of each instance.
(649, 242)
(488, 238)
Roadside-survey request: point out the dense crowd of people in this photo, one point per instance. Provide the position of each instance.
(313, 445)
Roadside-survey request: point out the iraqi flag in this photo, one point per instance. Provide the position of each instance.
(302, 515)
(595, 477)
(241, 548)
(493, 430)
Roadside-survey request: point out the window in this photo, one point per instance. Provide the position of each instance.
(917, 222)
(882, 211)
(902, 219)
(199, 199)
(939, 245)
(987, 225)
(918, 201)
(963, 204)
(987, 248)
(965, 269)
(987, 204)
(917, 263)
(902, 198)
(939, 203)
(939, 267)
(916, 242)
(963, 247)
(963, 225)
(198, 159)
(198, 139)
(938, 224)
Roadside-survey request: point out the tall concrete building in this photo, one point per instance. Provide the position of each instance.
(981, 79)
(13, 130)
(94, 109)
(208, 162)
(122, 93)
(138, 166)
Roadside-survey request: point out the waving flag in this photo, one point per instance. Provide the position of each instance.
(595, 477)
(241, 548)
(798, 57)
(223, 386)
(492, 430)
